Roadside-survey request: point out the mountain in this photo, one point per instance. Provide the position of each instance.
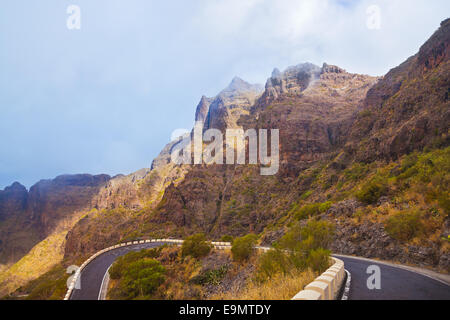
(27, 217)
(370, 154)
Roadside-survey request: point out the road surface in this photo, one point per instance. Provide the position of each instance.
(396, 283)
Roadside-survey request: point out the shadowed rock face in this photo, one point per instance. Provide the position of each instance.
(12, 199)
(28, 217)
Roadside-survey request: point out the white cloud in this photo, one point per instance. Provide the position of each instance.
(321, 30)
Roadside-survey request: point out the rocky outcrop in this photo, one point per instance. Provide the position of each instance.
(370, 240)
(225, 109)
(202, 109)
(293, 80)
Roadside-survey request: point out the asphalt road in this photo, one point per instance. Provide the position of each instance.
(92, 274)
(396, 283)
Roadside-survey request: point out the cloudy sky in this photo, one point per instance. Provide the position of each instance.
(106, 98)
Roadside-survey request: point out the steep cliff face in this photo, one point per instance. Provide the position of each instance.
(312, 107)
(409, 108)
(228, 106)
(28, 217)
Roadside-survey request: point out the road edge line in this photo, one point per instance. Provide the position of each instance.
(100, 295)
(346, 293)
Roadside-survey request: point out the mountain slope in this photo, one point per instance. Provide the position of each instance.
(409, 108)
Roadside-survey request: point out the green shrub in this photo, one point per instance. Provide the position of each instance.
(300, 248)
(226, 238)
(196, 246)
(356, 172)
(306, 195)
(372, 190)
(142, 278)
(120, 265)
(404, 226)
(318, 259)
(213, 276)
(319, 234)
(273, 262)
(243, 247)
(323, 207)
(310, 210)
(315, 234)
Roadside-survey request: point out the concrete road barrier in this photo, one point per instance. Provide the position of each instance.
(326, 286)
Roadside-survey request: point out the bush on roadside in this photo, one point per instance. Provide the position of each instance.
(299, 249)
(196, 246)
(243, 247)
(226, 238)
(142, 278)
(318, 259)
(273, 262)
(318, 233)
(119, 266)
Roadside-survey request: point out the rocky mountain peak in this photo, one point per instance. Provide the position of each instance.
(12, 199)
(238, 85)
(326, 68)
(224, 109)
(293, 80)
(15, 187)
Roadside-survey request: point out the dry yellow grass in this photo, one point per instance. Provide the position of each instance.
(39, 260)
(280, 287)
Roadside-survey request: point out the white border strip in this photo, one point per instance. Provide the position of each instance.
(104, 286)
(346, 293)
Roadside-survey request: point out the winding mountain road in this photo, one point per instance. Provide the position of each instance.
(397, 283)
